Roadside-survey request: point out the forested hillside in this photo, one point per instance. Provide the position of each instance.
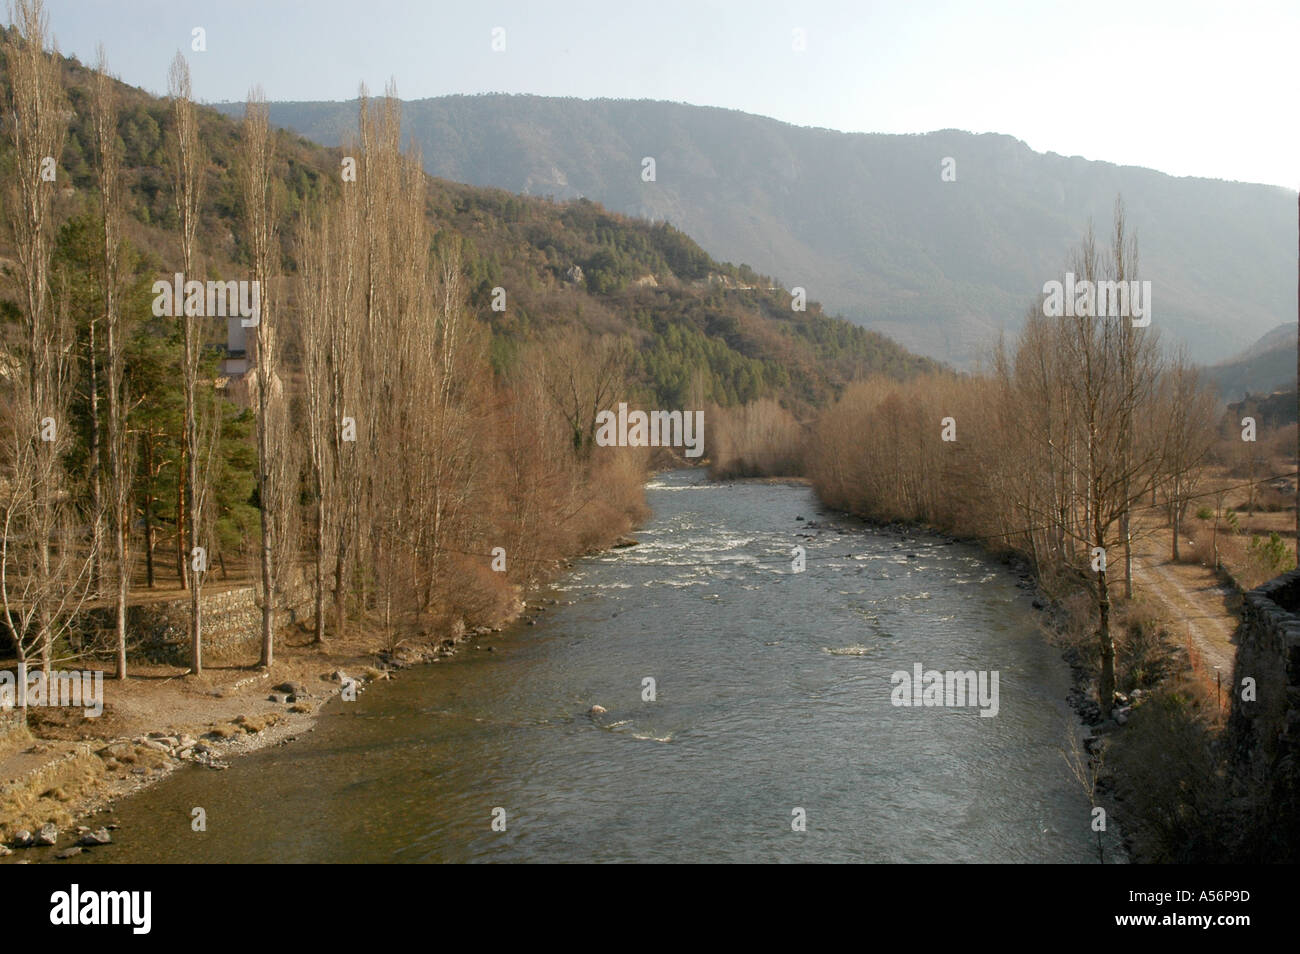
(867, 222)
(416, 437)
(684, 311)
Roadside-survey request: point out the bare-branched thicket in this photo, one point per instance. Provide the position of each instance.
(1082, 422)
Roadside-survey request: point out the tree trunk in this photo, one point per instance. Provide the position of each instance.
(1106, 681)
(148, 513)
(93, 452)
(1177, 522)
(340, 617)
(182, 565)
(320, 566)
(123, 571)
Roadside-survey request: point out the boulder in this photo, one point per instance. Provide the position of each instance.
(48, 835)
(117, 749)
(597, 710)
(67, 853)
(23, 839)
(97, 837)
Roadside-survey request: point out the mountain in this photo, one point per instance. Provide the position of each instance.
(864, 221)
(1266, 366)
(699, 329)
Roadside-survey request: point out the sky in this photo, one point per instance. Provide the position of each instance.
(1187, 87)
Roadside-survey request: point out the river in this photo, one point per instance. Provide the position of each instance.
(771, 695)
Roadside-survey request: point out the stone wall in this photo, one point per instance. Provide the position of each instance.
(1264, 733)
(232, 624)
(11, 720)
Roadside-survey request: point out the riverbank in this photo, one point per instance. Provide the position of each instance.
(1124, 763)
(65, 773)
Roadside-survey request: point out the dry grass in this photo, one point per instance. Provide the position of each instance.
(47, 793)
(1166, 769)
(255, 724)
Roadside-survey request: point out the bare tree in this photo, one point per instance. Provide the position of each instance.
(121, 449)
(1185, 420)
(260, 214)
(188, 162)
(44, 573)
(583, 378)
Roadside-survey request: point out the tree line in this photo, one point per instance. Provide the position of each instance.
(1078, 424)
(373, 449)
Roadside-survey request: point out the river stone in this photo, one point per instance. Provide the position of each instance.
(117, 749)
(23, 838)
(98, 837)
(597, 710)
(67, 853)
(48, 835)
(5, 851)
(156, 746)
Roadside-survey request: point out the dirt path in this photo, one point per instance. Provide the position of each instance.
(1194, 599)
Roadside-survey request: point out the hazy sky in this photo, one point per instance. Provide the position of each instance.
(1186, 87)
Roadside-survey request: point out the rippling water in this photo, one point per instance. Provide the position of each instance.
(772, 692)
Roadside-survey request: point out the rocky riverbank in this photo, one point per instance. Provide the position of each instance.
(60, 801)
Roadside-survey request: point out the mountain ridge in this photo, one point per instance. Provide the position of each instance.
(863, 220)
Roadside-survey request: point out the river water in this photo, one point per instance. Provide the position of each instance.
(771, 693)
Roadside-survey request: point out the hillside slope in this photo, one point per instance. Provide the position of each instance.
(1266, 366)
(864, 222)
(699, 328)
